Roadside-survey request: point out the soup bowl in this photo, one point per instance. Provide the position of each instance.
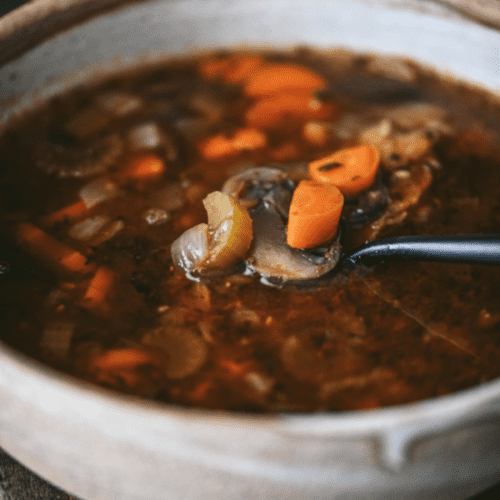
(100, 445)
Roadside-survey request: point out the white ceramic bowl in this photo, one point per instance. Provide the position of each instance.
(103, 446)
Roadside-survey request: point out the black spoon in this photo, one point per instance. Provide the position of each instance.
(447, 248)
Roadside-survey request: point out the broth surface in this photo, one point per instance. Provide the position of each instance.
(89, 285)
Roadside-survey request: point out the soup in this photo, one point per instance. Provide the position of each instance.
(100, 185)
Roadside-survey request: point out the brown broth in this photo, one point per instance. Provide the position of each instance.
(400, 333)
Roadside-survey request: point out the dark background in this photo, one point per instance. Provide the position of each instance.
(17, 483)
(8, 5)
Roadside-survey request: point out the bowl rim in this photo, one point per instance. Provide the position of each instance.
(451, 411)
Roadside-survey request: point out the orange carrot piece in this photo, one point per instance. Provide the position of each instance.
(232, 367)
(145, 167)
(217, 147)
(234, 69)
(99, 288)
(242, 68)
(285, 152)
(214, 68)
(315, 133)
(314, 214)
(200, 391)
(247, 139)
(273, 110)
(71, 212)
(352, 170)
(275, 78)
(122, 366)
(55, 253)
(123, 358)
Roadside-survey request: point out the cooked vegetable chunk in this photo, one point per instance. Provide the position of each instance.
(314, 214)
(221, 243)
(276, 78)
(229, 231)
(352, 170)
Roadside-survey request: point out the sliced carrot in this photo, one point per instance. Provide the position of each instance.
(275, 78)
(285, 152)
(216, 147)
(214, 68)
(242, 68)
(314, 214)
(219, 146)
(201, 390)
(71, 212)
(75, 262)
(145, 167)
(232, 367)
(123, 366)
(233, 69)
(248, 139)
(123, 358)
(273, 110)
(352, 170)
(55, 253)
(98, 290)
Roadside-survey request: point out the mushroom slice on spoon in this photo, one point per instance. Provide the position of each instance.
(268, 192)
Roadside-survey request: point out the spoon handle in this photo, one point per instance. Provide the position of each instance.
(450, 248)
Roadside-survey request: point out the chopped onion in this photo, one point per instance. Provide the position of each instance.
(88, 228)
(243, 316)
(156, 216)
(119, 103)
(375, 134)
(145, 136)
(98, 191)
(259, 382)
(108, 232)
(416, 115)
(191, 248)
(57, 337)
(347, 127)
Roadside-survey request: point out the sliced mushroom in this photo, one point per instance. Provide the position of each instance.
(304, 361)
(407, 187)
(268, 191)
(186, 350)
(271, 257)
(367, 205)
(254, 184)
(84, 161)
(416, 115)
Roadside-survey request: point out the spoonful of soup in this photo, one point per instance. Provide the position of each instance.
(262, 222)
